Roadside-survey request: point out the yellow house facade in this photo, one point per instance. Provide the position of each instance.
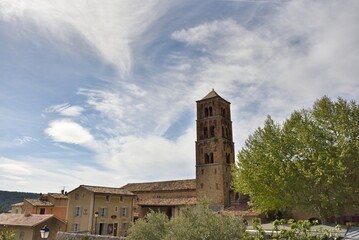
(99, 210)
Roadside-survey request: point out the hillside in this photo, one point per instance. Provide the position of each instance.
(9, 198)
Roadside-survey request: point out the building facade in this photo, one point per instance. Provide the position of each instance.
(99, 210)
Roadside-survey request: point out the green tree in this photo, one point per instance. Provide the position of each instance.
(194, 223)
(7, 234)
(310, 161)
(154, 226)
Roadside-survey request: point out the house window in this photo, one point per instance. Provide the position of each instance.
(107, 198)
(77, 211)
(42, 210)
(102, 212)
(124, 212)
(202, 171)
(76, 227)
(110, 229)
(22, 235)
(121, 198)
(201, 185)
(124, 227)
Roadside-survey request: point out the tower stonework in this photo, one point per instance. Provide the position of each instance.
(214, 150)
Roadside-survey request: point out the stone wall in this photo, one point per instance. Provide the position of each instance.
(78, 236)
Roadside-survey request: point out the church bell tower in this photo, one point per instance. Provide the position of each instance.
(214, 150)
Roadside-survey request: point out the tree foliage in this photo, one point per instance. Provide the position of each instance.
(7, 234)
(310, 161)
(194, 223)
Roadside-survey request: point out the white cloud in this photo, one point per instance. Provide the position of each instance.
(64, 130)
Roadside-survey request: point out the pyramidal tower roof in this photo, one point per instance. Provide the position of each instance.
(211, 94)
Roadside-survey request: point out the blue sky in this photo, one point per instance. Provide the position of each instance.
(103, 92)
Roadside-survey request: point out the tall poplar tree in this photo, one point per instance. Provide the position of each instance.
(311, 161)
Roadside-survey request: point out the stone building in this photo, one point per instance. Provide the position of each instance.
(51, 203)
(99, 210)
(214, 157)
(27, 226)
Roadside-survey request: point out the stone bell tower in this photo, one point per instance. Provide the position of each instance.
(214, 150)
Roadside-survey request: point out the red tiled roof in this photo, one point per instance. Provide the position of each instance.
(17, 204)
(107, 190)
(188, 184)
(39, 203)
(58, 195)
(11, 219)
(168, 201)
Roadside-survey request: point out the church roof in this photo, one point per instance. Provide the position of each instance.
(188, 184)
(213, 94)
(168, 201)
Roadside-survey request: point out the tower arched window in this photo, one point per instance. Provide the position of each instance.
(227, 135)
(206, 158)
(206, 112)
(223, 112)
(205, 132)
(228, 158)
(223, 132)
(211, 158)
(212, 131)
(210, 111)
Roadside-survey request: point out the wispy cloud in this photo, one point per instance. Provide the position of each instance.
(65, 110)
(25, 139)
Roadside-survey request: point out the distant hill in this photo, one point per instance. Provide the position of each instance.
(9, 198)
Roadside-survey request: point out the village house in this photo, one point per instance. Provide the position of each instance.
(99, 210)
(51, 203)
(28, 226)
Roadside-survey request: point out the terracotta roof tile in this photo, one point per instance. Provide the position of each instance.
(109, 190)
(17, 204)
(188, 184)
(58, 195)
(168, 201)
(38, 202)
(11, 219)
